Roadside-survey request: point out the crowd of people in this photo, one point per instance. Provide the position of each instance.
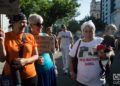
(26, 65)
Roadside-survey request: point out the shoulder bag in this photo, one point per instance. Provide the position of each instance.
(75, 59)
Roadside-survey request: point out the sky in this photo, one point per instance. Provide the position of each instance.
(84, 9)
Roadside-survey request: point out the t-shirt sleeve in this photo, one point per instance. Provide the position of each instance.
(74, 48)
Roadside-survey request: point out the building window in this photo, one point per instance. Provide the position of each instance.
(106, 5)
(106, 18)
(106, 13)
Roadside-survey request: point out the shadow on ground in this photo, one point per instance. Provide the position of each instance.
(62, 79)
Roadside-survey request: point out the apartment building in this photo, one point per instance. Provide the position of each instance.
(106, 11)
(95, 9)
(110, 12)
(115, 14)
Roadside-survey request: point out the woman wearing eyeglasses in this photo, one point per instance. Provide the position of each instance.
(44, 66)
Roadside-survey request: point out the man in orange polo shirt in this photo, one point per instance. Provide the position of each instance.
(11, 43)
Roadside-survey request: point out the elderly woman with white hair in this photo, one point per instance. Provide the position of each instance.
(88, 67)
(44, 66)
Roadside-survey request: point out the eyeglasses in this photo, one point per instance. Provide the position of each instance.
(38, 24)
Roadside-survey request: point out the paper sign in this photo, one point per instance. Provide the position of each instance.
(45, 44)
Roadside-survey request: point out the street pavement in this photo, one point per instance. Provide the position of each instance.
(62, 79)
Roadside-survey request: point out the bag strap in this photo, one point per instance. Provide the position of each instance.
(77, 48)
(23, 39)
(21, 51)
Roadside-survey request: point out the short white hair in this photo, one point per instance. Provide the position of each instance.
(88, 23)
(35, 18)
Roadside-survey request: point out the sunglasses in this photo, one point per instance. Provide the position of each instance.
(38, 24)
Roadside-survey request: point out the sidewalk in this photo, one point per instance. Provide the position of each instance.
(62, 79)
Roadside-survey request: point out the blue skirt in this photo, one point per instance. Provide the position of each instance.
(47, 77)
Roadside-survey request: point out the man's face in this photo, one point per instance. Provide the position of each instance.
(63, 28)
(49, 30)
(20, 25)
(23, 23)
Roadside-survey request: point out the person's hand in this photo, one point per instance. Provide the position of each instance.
(19, 63)
(2, 35)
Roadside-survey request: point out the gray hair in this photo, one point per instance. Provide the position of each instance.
(111, 26)
(110, 29)
(35, 18)
(88, 23)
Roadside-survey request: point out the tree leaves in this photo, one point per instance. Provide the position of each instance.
(50, 10)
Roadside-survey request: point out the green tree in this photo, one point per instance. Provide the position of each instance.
(73, 26)
(51, 10)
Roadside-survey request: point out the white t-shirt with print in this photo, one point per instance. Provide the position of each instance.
(65, 38)
(88, 63)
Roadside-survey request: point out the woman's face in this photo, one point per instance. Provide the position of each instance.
(36, 29)
(88, 32)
